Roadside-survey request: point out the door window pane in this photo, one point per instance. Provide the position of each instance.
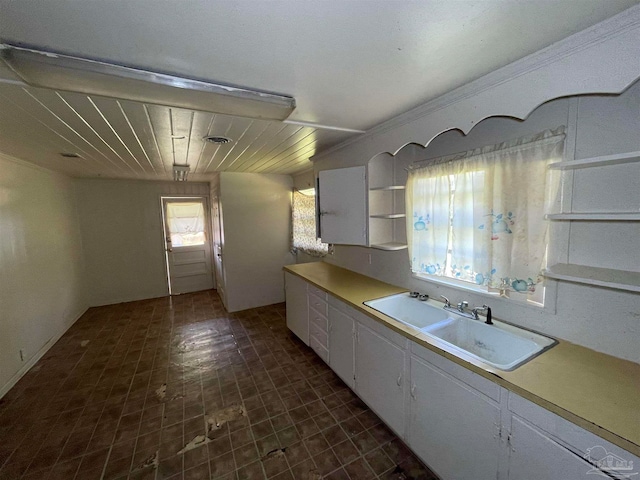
(185, 221)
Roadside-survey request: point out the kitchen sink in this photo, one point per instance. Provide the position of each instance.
(411, 311)
(501, 345)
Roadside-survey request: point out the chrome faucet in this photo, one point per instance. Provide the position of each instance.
(461, 309)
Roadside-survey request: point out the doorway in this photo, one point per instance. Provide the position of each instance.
(187, 244)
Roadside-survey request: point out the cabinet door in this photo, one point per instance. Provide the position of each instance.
(342, 208)
(534, 455)
(380, 376)
(341, 352)
(452, 427)
(297, 312)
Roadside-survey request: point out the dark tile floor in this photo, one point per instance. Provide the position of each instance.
(180, 389)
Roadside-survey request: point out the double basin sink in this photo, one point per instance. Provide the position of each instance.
(500, 345)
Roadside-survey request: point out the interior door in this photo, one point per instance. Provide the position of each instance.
(188, 248)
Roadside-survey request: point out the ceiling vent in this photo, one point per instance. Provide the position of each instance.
(217, 139)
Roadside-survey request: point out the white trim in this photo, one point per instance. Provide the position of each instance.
(39, 354)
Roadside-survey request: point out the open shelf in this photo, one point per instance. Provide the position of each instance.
(387, 188)
(596, 216)
(389, 215)
(390, 246)
(603, 277)
(616, 159)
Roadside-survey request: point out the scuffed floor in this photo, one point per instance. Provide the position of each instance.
(180, 389)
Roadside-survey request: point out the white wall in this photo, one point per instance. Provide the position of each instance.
(256, 217)
(121, 223)
(602, 319)
(40, 264)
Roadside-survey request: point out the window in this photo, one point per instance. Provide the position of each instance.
(478, 217)
(304, 224)
(186, 223)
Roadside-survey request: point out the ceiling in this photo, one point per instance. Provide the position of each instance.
(349, 64)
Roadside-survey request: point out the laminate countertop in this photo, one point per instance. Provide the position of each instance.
(597, 392)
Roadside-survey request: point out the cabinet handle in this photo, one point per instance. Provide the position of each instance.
(413, 391)
(399, 381)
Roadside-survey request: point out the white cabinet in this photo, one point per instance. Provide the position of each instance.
(341, 345)
(535, 455)
(342, 206)
(452, 427)
(380, 376)
(544, 446)
(297, 309)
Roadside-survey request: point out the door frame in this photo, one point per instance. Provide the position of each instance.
(208, 229)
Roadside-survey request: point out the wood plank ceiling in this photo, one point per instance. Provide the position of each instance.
(125, 139)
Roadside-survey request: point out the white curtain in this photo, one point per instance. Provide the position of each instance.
(304, 226)
(484, 212)
(186, 223)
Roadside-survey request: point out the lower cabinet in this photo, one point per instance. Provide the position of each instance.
(380, 376)
(461, 424)
(341, 345)
(297, 308)
(534, 455)
(452, 427)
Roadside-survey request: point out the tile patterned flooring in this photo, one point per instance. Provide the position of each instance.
(129, 386)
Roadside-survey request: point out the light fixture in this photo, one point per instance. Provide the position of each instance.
(180, 172)
(92, 77)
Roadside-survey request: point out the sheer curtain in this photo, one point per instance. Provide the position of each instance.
(479, 216)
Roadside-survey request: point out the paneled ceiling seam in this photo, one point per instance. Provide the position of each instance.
(226, 132)
(155, 139)
(262, 157)
(90, 128)
(71, 128)
(239, 167)
(186, 156)
(204, 144)
(135, 134)
(75, 147)
(265, 162)
(294, 160)
(236, 143)
(247, 147)
(104, 118)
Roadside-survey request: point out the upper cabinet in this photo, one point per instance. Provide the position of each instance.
(365, 205)
(342, 206)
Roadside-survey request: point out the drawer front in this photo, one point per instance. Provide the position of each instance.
(322, 352)
(319, 334)
(318, 319)
(318, 304)
(317, 292)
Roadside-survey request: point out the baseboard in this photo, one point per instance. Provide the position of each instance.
(33, 360)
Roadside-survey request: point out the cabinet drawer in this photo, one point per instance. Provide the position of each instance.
(316, 318)
(322, 352)
(319, 334)
(318, 304)
(317, 291)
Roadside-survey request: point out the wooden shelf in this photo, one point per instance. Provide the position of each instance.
(389, 215)
(616, 159)
(390, 246)
(595, 216)
(387, 188)
(602, 277)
